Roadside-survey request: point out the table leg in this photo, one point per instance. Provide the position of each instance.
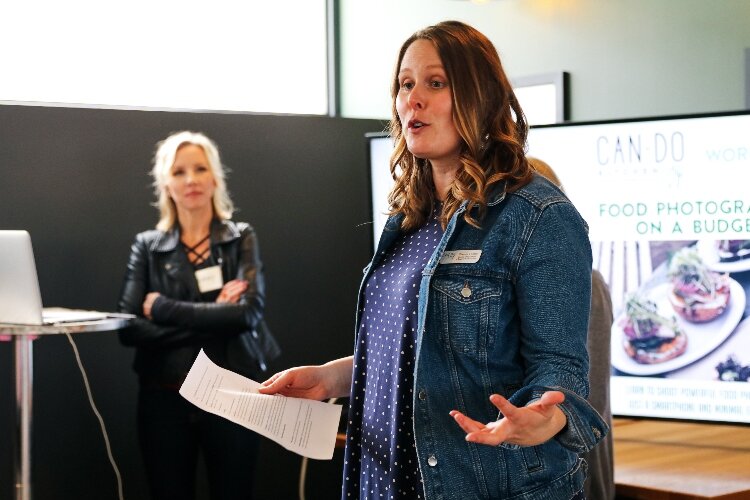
(22, 450)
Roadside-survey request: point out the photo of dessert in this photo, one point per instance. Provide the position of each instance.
(684, 312)
(698, 294)
(649, 337)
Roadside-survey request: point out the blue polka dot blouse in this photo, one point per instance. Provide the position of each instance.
(380, 457)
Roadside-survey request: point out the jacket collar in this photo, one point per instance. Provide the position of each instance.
(222, 231)
(497, 194)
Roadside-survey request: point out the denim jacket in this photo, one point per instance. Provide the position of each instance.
(508, 317)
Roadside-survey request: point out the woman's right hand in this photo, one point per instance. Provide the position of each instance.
(330, 380)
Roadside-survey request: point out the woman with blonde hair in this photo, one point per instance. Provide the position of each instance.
(195, 282)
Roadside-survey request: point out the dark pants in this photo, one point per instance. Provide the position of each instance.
(172, 432)
(579, 496)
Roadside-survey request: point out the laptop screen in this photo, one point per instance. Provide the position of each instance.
(20, 299)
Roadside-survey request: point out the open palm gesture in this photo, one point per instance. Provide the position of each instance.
(525, 426)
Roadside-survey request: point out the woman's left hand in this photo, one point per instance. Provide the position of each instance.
(525, 426)
(232, 291)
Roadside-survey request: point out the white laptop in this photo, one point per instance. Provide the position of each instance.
(20, 298)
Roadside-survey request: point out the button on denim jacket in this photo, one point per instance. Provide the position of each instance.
(514, 323)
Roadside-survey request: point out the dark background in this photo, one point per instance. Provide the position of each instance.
(77, 180)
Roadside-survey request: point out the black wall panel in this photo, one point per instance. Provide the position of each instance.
(77, 180)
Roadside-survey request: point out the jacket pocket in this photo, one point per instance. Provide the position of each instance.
(468, 308)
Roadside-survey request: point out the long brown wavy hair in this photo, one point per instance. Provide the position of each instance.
(486, 115)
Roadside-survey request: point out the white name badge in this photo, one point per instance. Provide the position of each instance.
(209, 279)
(461, 257)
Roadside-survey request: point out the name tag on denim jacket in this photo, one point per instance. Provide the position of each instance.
(209, 279)
(461, 257)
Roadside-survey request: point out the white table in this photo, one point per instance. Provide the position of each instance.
(23, 336)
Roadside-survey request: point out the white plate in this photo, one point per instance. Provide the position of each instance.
(737, 345)
(707, 250)
(702, 337)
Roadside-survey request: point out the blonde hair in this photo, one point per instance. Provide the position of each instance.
(543, 168)
(166, 151)
(488, 118)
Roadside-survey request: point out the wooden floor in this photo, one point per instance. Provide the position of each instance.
(661, 460)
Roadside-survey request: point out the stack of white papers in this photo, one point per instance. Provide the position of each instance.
(303, 426)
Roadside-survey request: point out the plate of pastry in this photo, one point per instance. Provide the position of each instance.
(677, 322)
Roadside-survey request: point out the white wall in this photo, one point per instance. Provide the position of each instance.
(626, 58)
(249, 55)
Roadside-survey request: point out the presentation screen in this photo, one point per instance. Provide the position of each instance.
(667, 201)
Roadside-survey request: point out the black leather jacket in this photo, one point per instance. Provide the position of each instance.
(182, 323)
